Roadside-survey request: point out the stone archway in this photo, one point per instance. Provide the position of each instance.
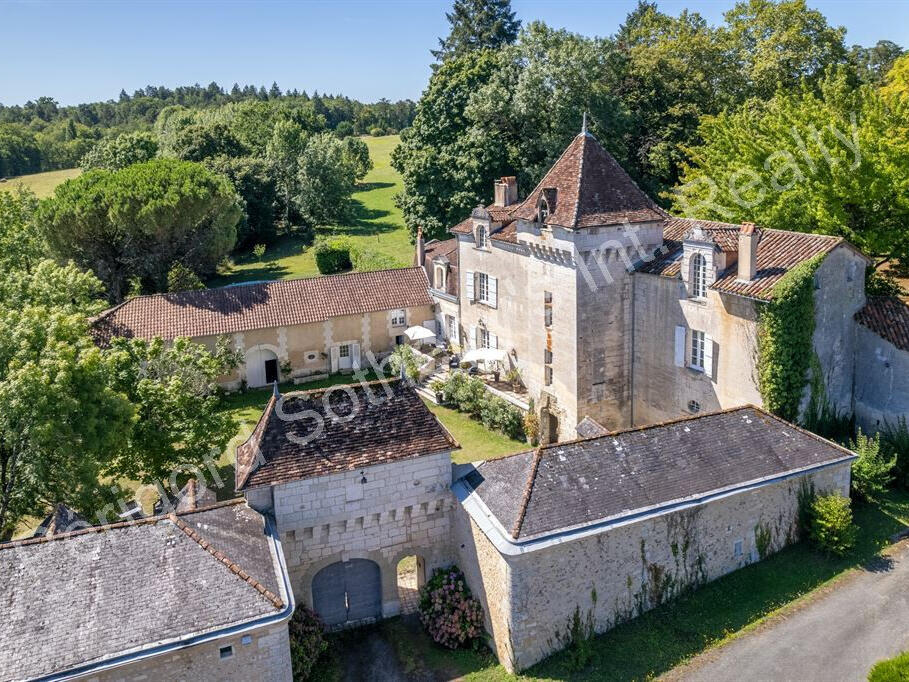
(261, 366)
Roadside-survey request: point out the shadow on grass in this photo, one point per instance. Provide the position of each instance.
(661, 639)
(370, 186)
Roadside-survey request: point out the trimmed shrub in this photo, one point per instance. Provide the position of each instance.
(871, 472)
(333, 255)
(368, 261)
(832, 530)
(448, 611)
(376, 131)
(891, 669)
(307, 642)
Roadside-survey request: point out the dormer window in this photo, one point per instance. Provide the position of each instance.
(544, 210)
(482, 238)
(698, 276)
(439, 276)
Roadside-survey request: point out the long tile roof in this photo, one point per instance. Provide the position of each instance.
(347, 427)
(80, 598)
(226, 310)
(579, 483)
(778, 252)
(888, 317)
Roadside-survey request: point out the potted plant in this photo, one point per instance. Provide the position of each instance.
(438, 387)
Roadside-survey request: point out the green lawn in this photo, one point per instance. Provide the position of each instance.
(477, 442)
(378, 224)
(42, 184)
(668, 636)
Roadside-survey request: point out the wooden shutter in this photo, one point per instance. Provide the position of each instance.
(469, 285)
(680, 335)
(335, 355)
(493, 341)
(708, 355)
(493, 292)
(472, 337)
(355, 355)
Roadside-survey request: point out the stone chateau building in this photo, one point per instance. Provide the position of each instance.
(616, 311)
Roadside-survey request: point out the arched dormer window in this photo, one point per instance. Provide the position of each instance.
(440, 272)
(544, 210)
(481, 237)
(698, 276)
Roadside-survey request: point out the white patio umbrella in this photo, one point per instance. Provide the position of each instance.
(419, 333)
(484, 355)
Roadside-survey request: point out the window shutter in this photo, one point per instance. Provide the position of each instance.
(493, 341)
(493, 292)
(469, 284)
(680, 334)
(708, 355)
(472, 338)
(355, 355)
(335, 355)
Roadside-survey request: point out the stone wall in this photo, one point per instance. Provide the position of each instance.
(882, 388)
(635, 567)
(403, 509)
(266, 657)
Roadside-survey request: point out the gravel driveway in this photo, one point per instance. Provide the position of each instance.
(838, 635)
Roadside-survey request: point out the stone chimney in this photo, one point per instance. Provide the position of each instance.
(506, 191)
(421, 249)
(748, 246)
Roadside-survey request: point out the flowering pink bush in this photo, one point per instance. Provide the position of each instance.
(449, 613)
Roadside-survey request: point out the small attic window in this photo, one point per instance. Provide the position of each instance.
(544, 210)
(481, 237)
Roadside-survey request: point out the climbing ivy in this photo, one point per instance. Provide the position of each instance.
(785, 349)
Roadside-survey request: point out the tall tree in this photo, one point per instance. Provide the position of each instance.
(140, 220)
(114, 153)
(478, 25)
(326, 180)
(872, 64)
(21, 246)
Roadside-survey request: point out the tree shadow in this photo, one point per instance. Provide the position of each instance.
(370, 186)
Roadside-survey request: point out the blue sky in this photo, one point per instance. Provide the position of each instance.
(85, 51)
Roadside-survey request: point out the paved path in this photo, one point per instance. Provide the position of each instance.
(837, 636)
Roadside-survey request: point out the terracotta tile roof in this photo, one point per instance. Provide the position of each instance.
(590, 189)
(888, 317)
(497, 214)
(370, 426)
(447, 251)
(778, 252)
(82, 598)
(225, 310)
(582, 482)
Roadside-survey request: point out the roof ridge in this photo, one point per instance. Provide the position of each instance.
(256, 434)
(528, 491)
(234, 567)
(374, 382)
(577, 197)
(146, 520)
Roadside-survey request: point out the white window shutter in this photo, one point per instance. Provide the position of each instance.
(335, 355)
(493, 292)
(680, 334)
(355, 355)
(472, 339)
(708, 355)
(493, 341)
(469, 284)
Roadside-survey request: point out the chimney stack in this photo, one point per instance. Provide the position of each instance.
(747, 258)
(421, 249)
(506, 191)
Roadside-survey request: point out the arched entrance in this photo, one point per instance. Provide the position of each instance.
(411, 577)
(261, 367)
(348, 591)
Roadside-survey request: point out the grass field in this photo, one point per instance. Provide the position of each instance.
(477, 442)
(42, 184)
(669, 635)
(378, 225)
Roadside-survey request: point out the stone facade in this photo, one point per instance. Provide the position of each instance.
(881, 398)
(403, 509)
(610, 576)
(265, 656)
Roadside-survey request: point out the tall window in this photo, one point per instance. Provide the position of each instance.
(547, 308)
(547, 375)
(440, 277)
(451, 324)
(481, 237)
(398, 318)
(483, 287)
(482, 337)
(697, 350)
(544, 210)
(698, 276)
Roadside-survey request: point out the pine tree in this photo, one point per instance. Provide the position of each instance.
(478, 25)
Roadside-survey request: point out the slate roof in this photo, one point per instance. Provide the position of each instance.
(778, 252)
(445, 250)
(888, 317)
(369, 427)
(591, 189)
(226, 310)
(589, 428)
(574, 484)
(85, 597)
(60, 520)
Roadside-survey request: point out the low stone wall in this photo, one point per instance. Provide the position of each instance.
(266, 657)
(616, 575)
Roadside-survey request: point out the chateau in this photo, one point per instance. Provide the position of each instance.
(614, 310)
